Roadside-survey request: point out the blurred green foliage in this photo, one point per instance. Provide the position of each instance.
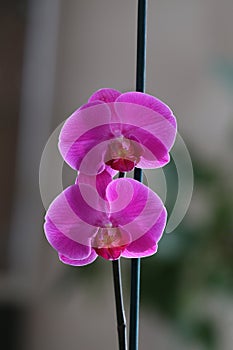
(196, 257)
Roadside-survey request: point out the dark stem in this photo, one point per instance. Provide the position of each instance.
(141, 46)
(134, 304)
(121, 175)
(135, 263)
(120, 312)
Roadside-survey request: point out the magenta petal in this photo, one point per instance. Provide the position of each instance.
(153, 132)
(87, 205)
(148, 101)
(155, 123)
(155, 152)
(105, 95)
(77, 213)
(125, 208)
(79, 262)
(142, 253)
(85, 128)
(99, 181)
(148, 243)
(137, 212)
(91, 161)
(102, 181)
(63, 244)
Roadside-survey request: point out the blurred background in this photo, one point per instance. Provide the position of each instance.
(54, 55)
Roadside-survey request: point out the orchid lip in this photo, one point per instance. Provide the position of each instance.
(110, 253)
(121, 164)
(110, 242)
(123, 154)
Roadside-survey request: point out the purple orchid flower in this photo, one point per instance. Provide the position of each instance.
(81, 224)
(118, 130)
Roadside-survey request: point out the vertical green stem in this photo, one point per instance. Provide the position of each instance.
(134, 304)
(135, 263)
(141, 46)
(120, 312)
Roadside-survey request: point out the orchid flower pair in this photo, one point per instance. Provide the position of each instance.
(100, 215)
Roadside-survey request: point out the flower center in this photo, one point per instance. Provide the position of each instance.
(109, 242)
(123, 154)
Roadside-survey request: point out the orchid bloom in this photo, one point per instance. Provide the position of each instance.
(118, 130)
(81, 224)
